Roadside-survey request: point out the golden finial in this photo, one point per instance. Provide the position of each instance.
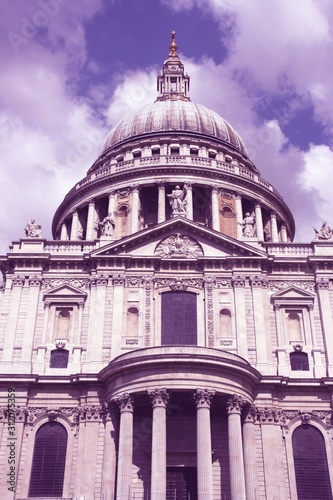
(173, 45)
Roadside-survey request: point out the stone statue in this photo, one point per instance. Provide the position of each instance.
(107, 226)
(177, 201)
(324, 233)
(248, 225)
(33, 230)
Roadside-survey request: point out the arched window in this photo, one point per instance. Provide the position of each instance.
(132, 325)
(310, 462)
(299, 361)
(294, 326)
(49, 460)
(225, 323)
(63, 318)
(59, 358)
(179, 318)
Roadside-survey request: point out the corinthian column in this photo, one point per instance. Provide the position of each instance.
(215, 209)
(239, 216)
(259, 225)
(159, 399)
(250, 458)
(75, 225)
(274, 229)
(161, 202)
(236, 460)
(203, 398)
(189, 200)
(125, 451)
(90, 233)
(135, 209)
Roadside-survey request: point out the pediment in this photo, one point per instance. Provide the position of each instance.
(65, 293)
(292, 295)
(179, 238)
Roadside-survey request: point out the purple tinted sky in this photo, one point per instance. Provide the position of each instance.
(71, 69)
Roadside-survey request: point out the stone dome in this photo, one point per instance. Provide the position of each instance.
(175, 116)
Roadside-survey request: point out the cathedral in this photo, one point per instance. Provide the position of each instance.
(172, 341)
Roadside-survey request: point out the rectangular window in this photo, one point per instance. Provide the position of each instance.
(179, 318)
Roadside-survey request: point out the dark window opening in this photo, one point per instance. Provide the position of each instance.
(310, 462)
(179, 318)
(211, 155)
(181, 483)
(174, 151)
(194, 151)
(299, 361)
(155, 151)
(49, 460)
(120, 159)
(137, 154)
(59, 358)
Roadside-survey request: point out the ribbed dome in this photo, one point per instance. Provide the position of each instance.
(174, 115)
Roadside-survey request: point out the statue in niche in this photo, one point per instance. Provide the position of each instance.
(107, 226)
(33, 230)
(248, 225)
(177, 201)
(324, 233)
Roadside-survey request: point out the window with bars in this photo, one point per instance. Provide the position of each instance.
(179, 318)
(49, 460)
(299, 361)
(310, 462)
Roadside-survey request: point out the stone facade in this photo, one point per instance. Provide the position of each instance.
(172, 327)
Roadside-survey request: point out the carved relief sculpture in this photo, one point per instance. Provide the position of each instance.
(178, 246)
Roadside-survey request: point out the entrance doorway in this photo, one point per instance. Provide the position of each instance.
(181, 483)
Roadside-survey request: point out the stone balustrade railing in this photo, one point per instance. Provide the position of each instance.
(172, 160)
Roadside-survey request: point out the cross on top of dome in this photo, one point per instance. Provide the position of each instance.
(173, 83)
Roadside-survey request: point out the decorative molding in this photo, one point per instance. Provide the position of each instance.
(238, 281)
(178, 246)
(178, 283)
(235, 404)
(74, 282)
(136, 281)
(125, 402)
(258, 281)
(159, 397)
(35, 280)
(223, 282)
(118, 279)
(148, 301)
(209, 286)
(282, 285)
(203, 398)
(18, 280)
(322, 283)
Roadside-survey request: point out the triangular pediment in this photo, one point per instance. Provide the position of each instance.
(66, 293)
(292, 295)
(184, 239)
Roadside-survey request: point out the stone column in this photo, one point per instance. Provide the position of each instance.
(274, 229)
(259, 224)
(125, 448)
(250, 458)
(238, 283)
(215, 209)
(75, 225)
(236, 460)
(30, 321)
(63, 233)
(203, 398)
(112, 202)
(239, 216)
(159, 399)
(109, 455)
(161, 202)
(90, 233)
(323, 292)
(189, 200)
(259, 293)
(11, 325)
(135, 209)
(283, 232)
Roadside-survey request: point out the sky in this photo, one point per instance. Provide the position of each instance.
(71, 69)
